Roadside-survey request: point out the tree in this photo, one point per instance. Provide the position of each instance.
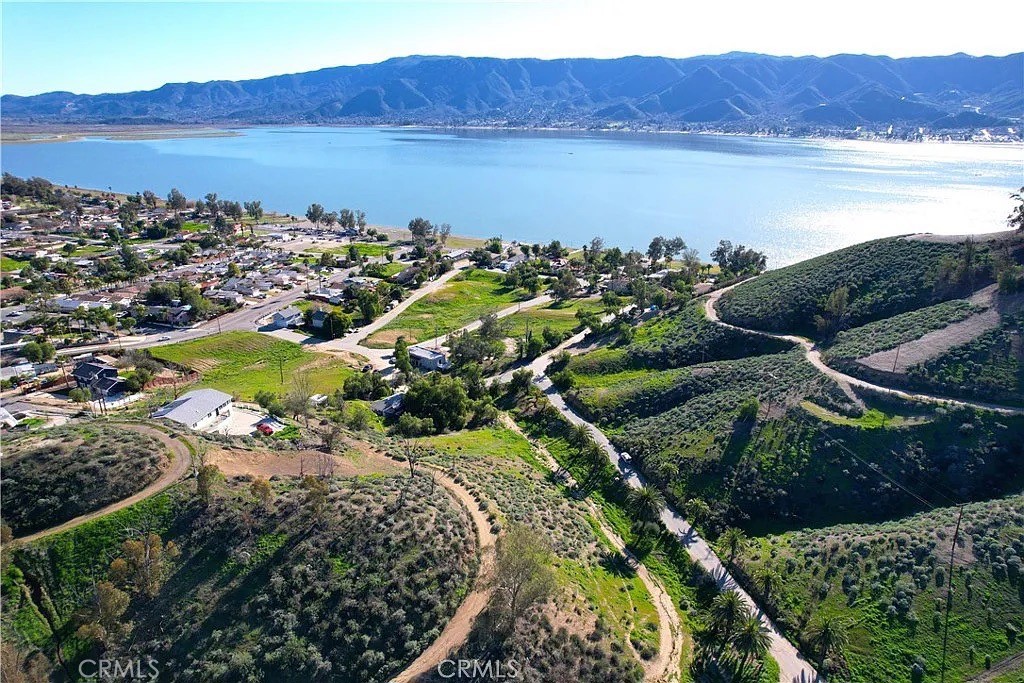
(673, 247)
(255, 210)
(402, 362)
(330, 219)
(833, 316)
(80, 395)
(360, 220)
(766, 580)
(656, 249)
(205, 479)
(38, 352)
(524, 575)
(443, 232)
(646, 502)
(149, 199)
(315, 214)
(107, 606)
(420, 228)
(727, 609)
(296, 402)
(1016, 218)
(261, 490)
(441, 398)
(212, 204)
(697, 511)
(316, 496)
(127, 214)
(144, 563)
(733, 540)
(176, 201)
(752, 640)
(827, 635)
(566, 285)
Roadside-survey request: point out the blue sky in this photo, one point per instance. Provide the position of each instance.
(112, 47)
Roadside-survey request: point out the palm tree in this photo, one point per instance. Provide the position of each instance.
(752, 641)
(580, 435)
(726, 609)
(733, 539)
(646, 502)
(828, 635)
(766, 580)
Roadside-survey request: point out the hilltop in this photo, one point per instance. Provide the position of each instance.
(740, 91)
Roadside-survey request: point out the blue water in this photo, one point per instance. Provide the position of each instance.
(791, 198)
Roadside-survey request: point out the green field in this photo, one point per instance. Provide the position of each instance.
(371, 249)
(560, 316)
(465, 298)
(8, 264)
(242, 363)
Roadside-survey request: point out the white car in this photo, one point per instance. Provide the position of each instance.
(626, 458)
(164, 338)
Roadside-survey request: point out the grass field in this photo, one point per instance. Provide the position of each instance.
(464, 299)
(242, 363)
(560, 316)
(8, 264)
(371, 249)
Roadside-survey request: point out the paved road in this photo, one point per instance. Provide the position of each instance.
(378, 357)
(814, 357)
(180, 466)
(792, 665)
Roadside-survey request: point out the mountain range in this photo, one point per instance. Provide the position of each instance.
(735, 90)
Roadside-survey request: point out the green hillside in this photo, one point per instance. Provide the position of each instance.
(885, 277)
(886, 583)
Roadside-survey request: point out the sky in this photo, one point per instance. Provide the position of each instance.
(114, 47)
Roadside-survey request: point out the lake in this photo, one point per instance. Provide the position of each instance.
(790, 198)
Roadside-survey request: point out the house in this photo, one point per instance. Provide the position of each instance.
(389, 406)
(318, 319)
(7, 420)
(99, 378)
(511, 262)
(286, 317)
(17, 372)
(406, 275)
(175, 316)
(458, 254)
(330, 294)
(197, 409)
(428, 359)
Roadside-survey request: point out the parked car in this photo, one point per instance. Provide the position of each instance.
(626, 458)
(368, 367)
(264, 429)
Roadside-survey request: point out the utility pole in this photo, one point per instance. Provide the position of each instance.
(897, 359)
(949, 591)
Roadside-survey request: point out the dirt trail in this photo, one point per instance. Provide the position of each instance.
(457, 630)
(1011, 663)
(814, 357)
(181, 461)
(665, 666)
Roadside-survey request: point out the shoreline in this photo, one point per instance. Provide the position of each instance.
(27, 133)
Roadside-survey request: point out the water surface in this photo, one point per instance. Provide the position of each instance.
(790, 198)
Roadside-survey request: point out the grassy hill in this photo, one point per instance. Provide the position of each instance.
(53, 476)
(351, 593)
(885, 277)
(887, 583)
(243, 363)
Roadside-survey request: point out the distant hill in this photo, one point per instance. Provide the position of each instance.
(734, 90)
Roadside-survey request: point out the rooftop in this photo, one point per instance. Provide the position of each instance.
(193, 406)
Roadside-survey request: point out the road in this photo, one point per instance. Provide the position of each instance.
(814, 357)
(179, 467)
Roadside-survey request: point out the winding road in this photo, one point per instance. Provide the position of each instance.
(814, 357)
(179, 467)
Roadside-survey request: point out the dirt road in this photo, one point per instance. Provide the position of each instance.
(180, 465)
(457, 630)
(814, 357)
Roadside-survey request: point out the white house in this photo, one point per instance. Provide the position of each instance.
(428, 359)
(287, 317)
(197, 409)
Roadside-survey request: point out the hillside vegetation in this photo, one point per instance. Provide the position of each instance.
(885, 278)
(886, 584)
(347, 581)
(739, 90)
(51, 477)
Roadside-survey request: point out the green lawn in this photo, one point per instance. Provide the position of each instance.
(462, 300)
(394, 268)
(560, 316)
(371, 249)
(242, 363)
(8, 264)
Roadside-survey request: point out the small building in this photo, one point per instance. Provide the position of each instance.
(389, 406)
(287, 317)
(197, 409)
(428, 359)
(7, 420)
